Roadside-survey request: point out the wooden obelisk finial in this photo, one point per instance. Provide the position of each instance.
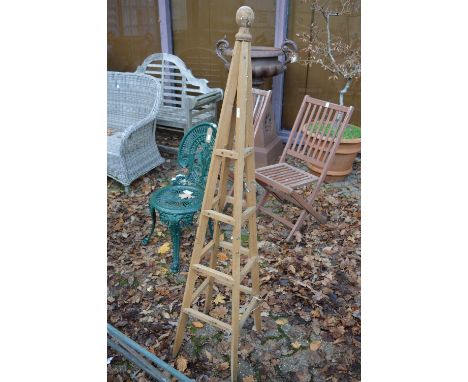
(244, 18)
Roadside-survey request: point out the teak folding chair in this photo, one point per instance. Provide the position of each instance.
(261, 99)
(314, 138)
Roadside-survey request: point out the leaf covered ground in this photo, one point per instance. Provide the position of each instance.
(310, 290)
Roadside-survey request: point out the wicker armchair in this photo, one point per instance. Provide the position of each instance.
(133, 102)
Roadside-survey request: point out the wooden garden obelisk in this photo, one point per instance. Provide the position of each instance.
(234, 142)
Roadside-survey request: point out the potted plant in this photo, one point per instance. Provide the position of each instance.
(346, 152)
(343, 61)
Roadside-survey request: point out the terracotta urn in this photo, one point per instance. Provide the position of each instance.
(342, 164)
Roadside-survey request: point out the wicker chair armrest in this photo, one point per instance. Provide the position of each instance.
(204, 99)
(138, 125)
(136, 129)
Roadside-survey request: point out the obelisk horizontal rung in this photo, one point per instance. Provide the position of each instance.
(219, 216)
(227, 245)
(226, 153)
(220, 277)
(208, 319)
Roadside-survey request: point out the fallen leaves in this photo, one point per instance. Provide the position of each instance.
(165, 248)
(316, 327)
(310, 290)
(219, 299)
(314, 346)
(246, 349)
(181, 363)
(296, 345)
(329, 251)
(186, 196)
(222, 256)
(281, 321)
(197, 324)
(337, 331)
(219, 312)
(209, 356)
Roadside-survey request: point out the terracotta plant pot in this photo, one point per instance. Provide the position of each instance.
(342, 164)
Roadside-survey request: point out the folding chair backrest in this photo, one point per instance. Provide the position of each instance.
(317, 132)
(261, 98)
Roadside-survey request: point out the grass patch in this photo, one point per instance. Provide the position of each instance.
(218, 336)
(198, 342)
(351, 131)
(244, 239)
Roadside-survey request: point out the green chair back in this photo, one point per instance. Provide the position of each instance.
(195, 151)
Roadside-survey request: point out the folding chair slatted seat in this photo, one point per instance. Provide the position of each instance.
(314, 139)
(287, 176)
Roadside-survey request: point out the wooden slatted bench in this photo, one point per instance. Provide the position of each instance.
(187, 101)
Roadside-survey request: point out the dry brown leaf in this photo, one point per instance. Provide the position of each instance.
(165, 248)
(328, 251)
(315, 313)
(246, 349)
(185, 196)
(197, 324)
(219, 312)
(223, 366)
(166, 315)
(316, 326)
(281, 321)
(181, 363)
(222, 256)
(337, 331)
(296, 344)
(219, 299)
(209, 356)
(249, 378)
(315, 345)
(298, 236)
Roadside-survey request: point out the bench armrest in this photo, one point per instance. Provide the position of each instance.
(204, 99)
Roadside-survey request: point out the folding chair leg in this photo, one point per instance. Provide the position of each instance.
(306, 204)
(298, 225)
(263, 199)
(317, 215)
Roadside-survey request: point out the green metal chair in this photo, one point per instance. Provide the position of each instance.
(179, 202)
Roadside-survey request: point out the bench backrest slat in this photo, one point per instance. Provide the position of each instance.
(177, 80)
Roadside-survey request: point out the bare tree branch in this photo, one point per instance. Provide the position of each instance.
(341, 59)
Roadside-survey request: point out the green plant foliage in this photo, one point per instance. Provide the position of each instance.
(351, 131)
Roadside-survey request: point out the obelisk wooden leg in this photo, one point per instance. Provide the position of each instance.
(251, 199)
